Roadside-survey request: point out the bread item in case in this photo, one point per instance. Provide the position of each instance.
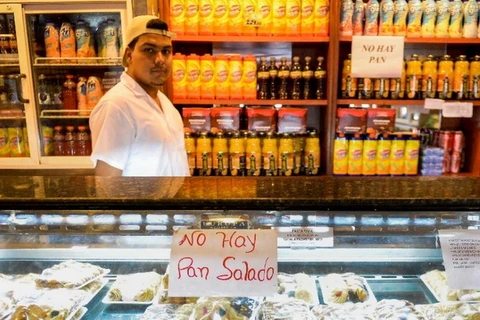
(168, 312)
(349, 311)
(284, 308)
(398, 309)
(164, 298)
(436, 281)
(346, 287)
(69, 274)
(448, 311)
(136, 287)
(238, 308)
(299, 285)
(6, 306)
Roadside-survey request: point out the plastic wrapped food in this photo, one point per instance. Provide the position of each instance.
(451, 311)
(285, 308)
(346, 287)
(69, 274)
(168, 312)
(436, 281)
(299, 285)
(398, 309)
(136, 287)
(350, 311)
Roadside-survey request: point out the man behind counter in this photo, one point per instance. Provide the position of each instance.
(136, 130)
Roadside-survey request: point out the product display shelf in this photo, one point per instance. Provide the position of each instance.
(233, 38)
(65, 114)
(77, 62)
(388, 102)
(252, 102)
(429, 40)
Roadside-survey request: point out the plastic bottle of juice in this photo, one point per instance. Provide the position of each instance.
(82, 37)
(266, 15)
(429, 77)
(206, 17)
(456, 19)
(70, 142)
(193, 76)
(321, 18)
(293, 17)
(298, 150)
(306, 20)
(94, 92)
(400, 13)
(263, 79)
(355, 150)
(204, 155)
(443, 18)
(346, 18)
(16, 140)
(385, 27)
(220, 155)
(311, 157)
(397, 85)
(253, 157)
(82, 99)
(397, 155)
(429, 18)
(207, 81)
(47, 139)
(67, 41)
(372, 11)
(384, 146)
(83, 145)
(235, 17)
(220, 17)
(270, 154)
(286, 155)
(283, 76)
(4, 146)
(349, 84)
(222, 86)
(100, 39)
(58, 141)
(236, 152)
(414, 74)
(110, 34)
(369, 161)
(52, 40)
(249, 77)
(279, 18)
(273, 80)
(414, 20)
(249, 13)
(179, 78)
(320, 77)
(445, 78)
(460, 78)
(470, 19)
(69, 93)
(474, 78)
(177, 16)
(340, 155)
(235, 73)
(358, 16)
(296, 78)
(191, 152)
(308, 77)
(192, 17)
(412, 151)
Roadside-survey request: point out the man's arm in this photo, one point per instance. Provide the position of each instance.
(104, 169)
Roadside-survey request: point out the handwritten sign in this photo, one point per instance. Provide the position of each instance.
(461, 257)
(305, 237)
(377, 56)
(434, 104)
(457, 110)
(223, 263)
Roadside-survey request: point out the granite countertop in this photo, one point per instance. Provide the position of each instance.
(240, 193)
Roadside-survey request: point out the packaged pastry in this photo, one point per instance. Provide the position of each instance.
(69, 274)
(6, 306)
(57, 304)
(299, 285)
(349, 311)
(136, 287)
(164, 298)
(239, 308)
(168, 312)
(398, 309)
(451, 310)
(284, 308)
(436, 281)
(346, 287)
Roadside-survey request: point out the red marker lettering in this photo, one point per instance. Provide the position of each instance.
(185, 268)
(246, 272)
(194, 238)
(239, 241)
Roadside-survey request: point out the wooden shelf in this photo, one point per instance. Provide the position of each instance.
(430, 40)
(253, 102)
(395, 102)
(197, 38)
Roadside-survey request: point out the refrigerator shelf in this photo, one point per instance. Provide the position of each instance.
(9, 60)
(78, 62)
(13, 118)
(65, 114)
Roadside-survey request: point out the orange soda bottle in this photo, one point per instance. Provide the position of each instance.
(445, 78)
(67, 41)
(286, 155)
(413, 76)
(220, 155)
(236, 152)
(384, 146)
(460, 77)
(340, 155)
(270, 154)
(355, 150)
(204, 155)
(191, 151)
(369, 161)
(474, 78)
(253, 156)
(311, 155)
(397, 155)
(429, 77)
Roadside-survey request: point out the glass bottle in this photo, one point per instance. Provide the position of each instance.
(283, 75)
(273, 81)
(320, 75)
(296, 77)
(44, 97)
(263, 79)
(58, 141)
(307, 75)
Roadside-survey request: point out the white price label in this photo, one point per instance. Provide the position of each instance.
(457, 110)
(434, 104)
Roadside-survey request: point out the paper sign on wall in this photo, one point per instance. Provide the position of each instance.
(223, 263)
(457, 110)
(461, 257)
(434, 104)
(377, 56)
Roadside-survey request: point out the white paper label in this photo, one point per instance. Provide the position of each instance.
(306, 237)
(223, 263)
(461, 257)
(377, 56)
(457, 110)
(434, 104)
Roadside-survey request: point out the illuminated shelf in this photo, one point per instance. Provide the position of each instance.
(253, 102)
(78, 62)
(251, 38)
(392, 102)
(430, 40)
(65, 114)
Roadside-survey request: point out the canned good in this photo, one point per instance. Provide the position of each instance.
(447, 160)
(11, 89)
(455, 162)
(458, 141)
(445, 140)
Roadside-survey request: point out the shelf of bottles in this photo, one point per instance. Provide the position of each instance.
(65, 114)
(387, 102)
(78, 62)
(302, 39)
(429, 40)
(289, 102)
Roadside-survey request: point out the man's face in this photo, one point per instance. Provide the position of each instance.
(150, 61)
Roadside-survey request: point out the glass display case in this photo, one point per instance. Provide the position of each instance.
(388, 239)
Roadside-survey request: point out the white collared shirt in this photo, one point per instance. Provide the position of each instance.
(132, 133)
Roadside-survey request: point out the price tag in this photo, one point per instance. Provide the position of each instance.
(215, 221)
(223, 263)
(461, 257)
(305, 237)
(434, 104)
(253, 22)
(457, 110)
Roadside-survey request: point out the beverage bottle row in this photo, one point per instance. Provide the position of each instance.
(66, 140)
(415, 18)
(369, 154)
(70, 93)
(253, 154)
(8, 44)
(250, 17)
(292, 81)
(82, 41)
(13, 139)
(434, 77)
(10, 93)
(209, 77)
